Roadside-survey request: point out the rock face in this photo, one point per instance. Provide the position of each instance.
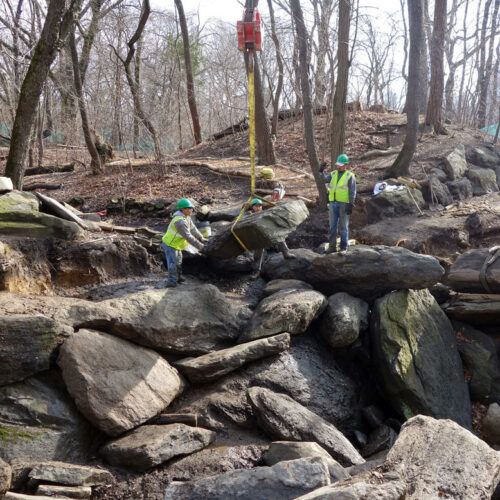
(483, 180)
(283, 418)
(281, 451)
(479, 355)
(70, 474)
(368, 272)
(491, 424)
(189, 320)
(27, 345)
(344, 319)
(151, 445)
(5, 477)
(260, 230)
(439, 455)
(286, 311)
(214, 365)
(279, 285)
(117, 385)
(277, 267)
(395, 203)
(39, 421)
(455, 163)
(460, 189)
(416, 357)
(483, 157)
(285, 480)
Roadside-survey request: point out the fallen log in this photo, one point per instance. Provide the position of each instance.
(375, 153)
(41, 185)
(118, 229)
(50, 169)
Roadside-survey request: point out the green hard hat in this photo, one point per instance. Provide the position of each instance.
(184, 203)
(343, 159)
(255, 201)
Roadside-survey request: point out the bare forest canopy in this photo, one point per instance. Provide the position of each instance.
(144, 78)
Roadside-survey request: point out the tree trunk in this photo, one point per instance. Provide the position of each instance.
(58, 23)
(323, 44)
(339, 99)
(137, 79)
(189, 73)
(117, 97)
(401, 166)
(435, 104)
(306, 99)
(95, 163)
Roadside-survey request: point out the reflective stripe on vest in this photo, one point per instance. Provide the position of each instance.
(339, 190)
(172, 238)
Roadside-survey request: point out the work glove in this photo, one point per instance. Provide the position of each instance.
(322, 166)
(348, 209)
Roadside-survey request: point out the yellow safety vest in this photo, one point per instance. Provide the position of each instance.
(339, 189)
(172, 238)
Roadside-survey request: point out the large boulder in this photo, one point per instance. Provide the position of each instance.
(416, 357)
(483, 180)
(283, 418)
(460, 189)
(39, 421)
(117, 385)
(344, 319)
(289, 311)
(395, 203)
(285, 480)
(277, 267)
(434, 456)
(18, 200)
(70, 474)
(5, 477)
(368, 272)
(151, 445)
(259, 230)
(33, 224)
(455, 163)
(484, 157)
(215, 364)
(192, 319)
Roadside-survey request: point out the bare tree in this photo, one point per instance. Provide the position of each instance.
(58, 24)
(401, 165)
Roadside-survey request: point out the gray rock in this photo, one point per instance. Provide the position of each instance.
(214, 365)
(260, 230)
(6, 184)
(344, 319)
(151, 445)
(275, 286)
(379, 439)
(368, 272)
(439, 173)
(190, 319)
(436, 190)
(474, 310)
(460, 189)
(491, 425)
(39, 421)
(394, 203)
(439, 455)
(70, 474)
(27, 345)
(18, 200)
(479, 355)
(283, 418)
(117, 385)
(484, 157)
(281, 451)
(53, 490)
(483, 180)
(289, 311)
(285, 480)
(455, 163)
(416, 357)
(277, 267)
(371, 485)
(5, 477)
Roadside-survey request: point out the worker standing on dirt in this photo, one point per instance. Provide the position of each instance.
(258, 255)
(181, 232)
(342, 194)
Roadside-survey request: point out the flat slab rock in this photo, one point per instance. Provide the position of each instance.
(70, 474)
(439, 455)
(52, 490)
(279, 285)
(284, 481)
(151, 445)
(368, 272)
(214, 365)
(283, 418)
(117, 385)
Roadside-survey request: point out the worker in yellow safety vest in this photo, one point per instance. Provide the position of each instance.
(181, 232)
(341, 196)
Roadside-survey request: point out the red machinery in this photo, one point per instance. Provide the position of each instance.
(249, 34)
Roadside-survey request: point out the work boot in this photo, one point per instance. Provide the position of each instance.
(181, 279)
(331, 249)
(343, 251)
